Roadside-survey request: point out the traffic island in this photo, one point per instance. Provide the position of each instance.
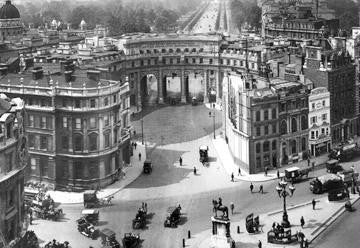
(315, 222)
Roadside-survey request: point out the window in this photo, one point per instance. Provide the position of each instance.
(106, 101)
(282, 107)
(313, 120)
(78, 142)
(312, 135)
(266, 146)
(293, 146)
(266, 115)
(106, 120)
(322, 130)
(303, 144)
(65, 142)
(193, 60)
(43, 122)
(258, 162)
(266, 130)
(274, 145)
(313, 106)
(107, 140)
(273, 114)
(258, 148)
(324, 117)
(92, 122)
(65, 122)
(304, 122)
(77, 103)
(31, 120)
(93, 142)
(327, 131)
(78, 169)
(64, 103)
(77, 123)
(323, 103)
(293, 125)
(258, 132)
(43, 142)
(283, 127)
(8, 161)
(274, 129)
(210, 61)
(258, 116)
(31, 140)
(92, 103)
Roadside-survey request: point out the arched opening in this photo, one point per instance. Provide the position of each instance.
(293, 146)
(293, 125)
(172, 87)
(283, 127)
(178, 50)
(285, 157)
(149, 90)
(195, 86)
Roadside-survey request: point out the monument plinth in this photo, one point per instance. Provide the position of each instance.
(221, 237)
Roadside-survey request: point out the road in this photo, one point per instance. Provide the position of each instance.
(207, 22)
(173, 132)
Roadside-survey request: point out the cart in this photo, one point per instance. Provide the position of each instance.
(333, 166)
(91, 216)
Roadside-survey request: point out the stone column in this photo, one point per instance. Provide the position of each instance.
(160, 88)
(183, 93)
(206, 85)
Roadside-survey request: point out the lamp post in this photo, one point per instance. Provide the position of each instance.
(212, 115)
(283, 193)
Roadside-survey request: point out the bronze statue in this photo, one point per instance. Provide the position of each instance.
(219, 207)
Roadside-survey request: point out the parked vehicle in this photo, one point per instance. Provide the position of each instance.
(108, 239)
(147, 168)
(326, 183)
(203, 152)
(295, 174)
(87, 229)
(333, 166)
(91, 216)
(90, 199)
(173, 216)
(131, 240)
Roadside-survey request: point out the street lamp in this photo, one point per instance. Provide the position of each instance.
(283, 193)
(212, 115)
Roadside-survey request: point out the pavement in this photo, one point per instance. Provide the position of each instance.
(230, 167)
(132, 171)
(316, 221)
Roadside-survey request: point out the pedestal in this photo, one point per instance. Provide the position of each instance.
(220, 237)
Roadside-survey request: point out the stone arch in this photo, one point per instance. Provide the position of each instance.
(293, 146)
(149, 91)
(93, 141)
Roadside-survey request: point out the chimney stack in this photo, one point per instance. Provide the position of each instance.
(37, 73)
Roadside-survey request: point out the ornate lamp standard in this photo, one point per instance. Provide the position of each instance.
(283, 193)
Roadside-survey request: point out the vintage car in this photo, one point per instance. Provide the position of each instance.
(338, 194)
(252, 224)
(333, 166)
(277, 236)
(108, 239)
(131, 240)
(87, 229)
(140, 219)
(326, 183)
(173, 216)
(147, 167)
(91, 216)
(295, 174)
(203, 152)
(90, 199)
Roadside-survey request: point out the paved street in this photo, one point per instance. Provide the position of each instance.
(207, 22)
(169, 184)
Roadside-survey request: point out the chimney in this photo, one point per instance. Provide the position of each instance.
(37, 73)
(94, 75)
(68, 76)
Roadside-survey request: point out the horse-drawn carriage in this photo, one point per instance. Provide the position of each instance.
(281, 236)
(30, 240)
(108, 239)
(140, 219)
(252, 224)
(295, 174)
(131, 240)
(173, 216)
(45, 209)
(87, 229)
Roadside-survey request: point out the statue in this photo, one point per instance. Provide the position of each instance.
(217, 206)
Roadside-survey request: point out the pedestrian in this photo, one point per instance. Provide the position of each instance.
(239, 172)
(306, 243)
(278, 174)
(261, 189)
(135, 144)
(145, 205)
(259, 244)
(139, 156)
(232, 177)
(308, 161)
(302, 221)
(266, 170)
(313, 203)
(313, 166)
(30, 218)
(251, 187)
(232, 206)
(135, 135)
(220, 201)
(194, 170)
(180, 161)
(273, 225)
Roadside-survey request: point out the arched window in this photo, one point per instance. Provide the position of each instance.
(78, 142)
(156, 51)
(178, 50)
(293, 146)
(148, 51)
(93, 142)
(266, 146)
(273, 145)
(293, 125)
(283, 127)
(257, 115)
(303, 144)
(258, 148)
(186, 50)
(171, 50)
(266, 114)
(273, 114)
(163, 50)
(201, 50)
(141, 52)
(193, 50)
(304, 122)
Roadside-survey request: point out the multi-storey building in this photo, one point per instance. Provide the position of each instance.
(319, 121)
(329, 65)
(293, 120)
(250, 120)
(13, 160)
(76, 121)
(11, 27)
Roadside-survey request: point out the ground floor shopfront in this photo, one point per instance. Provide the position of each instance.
(320, 147)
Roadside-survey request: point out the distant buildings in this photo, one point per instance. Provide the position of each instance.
(11, 26)
(13, 160)
(77, 122)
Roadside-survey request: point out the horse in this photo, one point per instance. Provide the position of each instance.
(107, 200)
(219, 207)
